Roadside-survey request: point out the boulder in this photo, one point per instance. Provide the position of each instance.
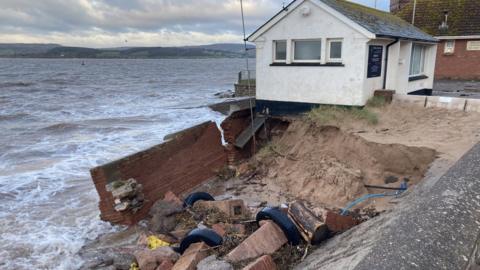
(165, 208)
(162, 224)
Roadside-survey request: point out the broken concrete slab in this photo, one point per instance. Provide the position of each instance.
(263, 263)
(410, 100)
(191, 257)
(450, 103)
(232, 208)
(473, 105)
(265, 240)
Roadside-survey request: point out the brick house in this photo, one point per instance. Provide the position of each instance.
(457, 25)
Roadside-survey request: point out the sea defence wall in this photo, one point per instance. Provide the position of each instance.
(450, 103)
(182, 162)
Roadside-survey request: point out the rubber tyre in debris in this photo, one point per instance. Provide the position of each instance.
(208, 236)
(197, 196)
(283, 221)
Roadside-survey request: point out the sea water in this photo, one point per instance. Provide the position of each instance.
(59, 118)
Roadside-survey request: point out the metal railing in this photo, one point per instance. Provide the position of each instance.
(245, 75)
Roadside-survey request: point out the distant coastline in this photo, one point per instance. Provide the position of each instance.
(56, 51)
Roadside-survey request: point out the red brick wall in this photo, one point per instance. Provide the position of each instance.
(461, 65)
(235, 124)
(180, 164)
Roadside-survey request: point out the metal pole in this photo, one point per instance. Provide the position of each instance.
(248, 77)
(414, 11)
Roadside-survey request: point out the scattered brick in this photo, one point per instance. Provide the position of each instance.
(263, 263)
(224, 228)
(266, 240)
(191, 257)
(338, 223)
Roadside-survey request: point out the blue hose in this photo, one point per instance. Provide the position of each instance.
(345, 210)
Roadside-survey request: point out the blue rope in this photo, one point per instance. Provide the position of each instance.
(345, 210)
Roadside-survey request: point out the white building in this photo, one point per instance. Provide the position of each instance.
(337, 52)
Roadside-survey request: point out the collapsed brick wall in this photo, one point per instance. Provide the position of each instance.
(235, 124)
(187, 159)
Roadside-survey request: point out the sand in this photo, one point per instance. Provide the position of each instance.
(329, 165)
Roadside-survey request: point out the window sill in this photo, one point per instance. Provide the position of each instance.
(417, 77)
(307, 65)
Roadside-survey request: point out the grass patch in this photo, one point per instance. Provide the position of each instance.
(376, 101)
(326, 114)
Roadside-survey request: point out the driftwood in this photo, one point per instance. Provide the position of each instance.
(312, 229)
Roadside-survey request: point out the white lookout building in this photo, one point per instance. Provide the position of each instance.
(337, 52)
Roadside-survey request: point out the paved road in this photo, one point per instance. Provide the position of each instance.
(451, 88)
(434, 227)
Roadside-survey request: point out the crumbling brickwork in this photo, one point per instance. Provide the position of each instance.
(187, 159)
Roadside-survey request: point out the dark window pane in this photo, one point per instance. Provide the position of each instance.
(307, 50)
(335, 49)
(280, 50)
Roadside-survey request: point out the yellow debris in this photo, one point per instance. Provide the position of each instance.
(154, 242)
(134, 266)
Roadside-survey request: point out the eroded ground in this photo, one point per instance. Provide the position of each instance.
(329, 163)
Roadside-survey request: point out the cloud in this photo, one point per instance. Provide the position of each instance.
(108, 23)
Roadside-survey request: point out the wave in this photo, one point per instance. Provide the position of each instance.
(13, 117)
(16, 84)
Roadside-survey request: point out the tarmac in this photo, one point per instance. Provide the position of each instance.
(435, 226)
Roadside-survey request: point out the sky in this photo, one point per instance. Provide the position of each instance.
(126, 23)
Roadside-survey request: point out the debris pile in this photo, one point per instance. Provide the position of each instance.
(203, 233)
(127, 195)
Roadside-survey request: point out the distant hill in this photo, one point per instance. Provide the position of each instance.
(59, 51)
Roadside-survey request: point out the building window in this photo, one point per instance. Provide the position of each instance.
(307, 50)
(280, 51)
(417, 60)
(449, 47)
(335, 50)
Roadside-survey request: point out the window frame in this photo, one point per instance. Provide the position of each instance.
(422, 61)
(275, 60)
(306, 61)
(445, 51)
(329, 46)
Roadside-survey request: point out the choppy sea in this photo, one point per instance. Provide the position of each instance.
(59, 118)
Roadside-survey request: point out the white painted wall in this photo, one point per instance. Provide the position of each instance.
(347, 85)
(318, 84)
(399, 64)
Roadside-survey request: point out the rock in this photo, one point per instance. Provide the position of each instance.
(191, 257)
(165, 208)
(212, 263)
(266, 240)
(162, 224)
(171, 197)
(232, 208)
(122, 261)
(150, 259)
(225, 94)
(263, 263)
(391, 179)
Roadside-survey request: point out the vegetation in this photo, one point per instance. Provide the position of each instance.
(376, 101)
(58, 51)
(328, 114)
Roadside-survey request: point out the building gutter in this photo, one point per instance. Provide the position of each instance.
(386, 62)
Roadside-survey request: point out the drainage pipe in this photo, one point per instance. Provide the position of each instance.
(386, 62)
